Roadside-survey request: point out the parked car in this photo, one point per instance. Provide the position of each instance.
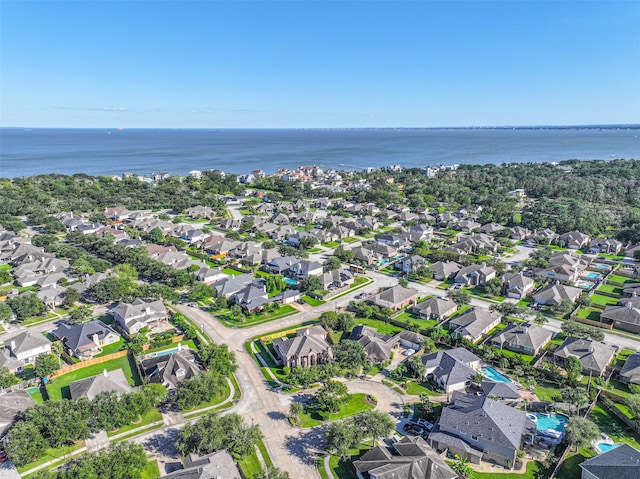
(425, 424)
(3, 456)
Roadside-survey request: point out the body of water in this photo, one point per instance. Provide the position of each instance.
(27, 152)
(494, 375)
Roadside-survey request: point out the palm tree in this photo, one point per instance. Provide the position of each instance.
(462, 467)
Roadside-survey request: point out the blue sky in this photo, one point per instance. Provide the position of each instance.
(214, 64)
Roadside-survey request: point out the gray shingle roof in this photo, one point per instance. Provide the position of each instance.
(475, 321)
(27, 341)
(107, 381)
(524, 335)
(631, 368)
(306, 341)
(452, 366)
(171, 370)
(592, 354)
(628, 314)
(11, 404)
(501, 390)
(623, 462)
(79, 336)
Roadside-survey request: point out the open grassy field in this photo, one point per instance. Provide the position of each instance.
(356, 403)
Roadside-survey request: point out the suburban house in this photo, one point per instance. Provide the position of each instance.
(593, 355)
(410, 264)
(337, 279)
(230, 285)
(377, 346)
(491, 228)
(435, 308)
(516, 285)
(305, 268)
(251, 298)
(630, 372)
(409, 458)
(625, 317)
(85, 340)
(555, 294)
(575, 239)
(519, 233)
(605, 245)
(482, 430)
(139, 314)
(559, 272)
(25, 347)
(307, 348)
(452, 370)
(475, 274)
(108, 381)
(219, 465)
(281, 265)
(172, 369)
(622, 462)
(473, 324)
(395, 298)
(196, 212)
(12, 404)
(443, 271)
(523, 338)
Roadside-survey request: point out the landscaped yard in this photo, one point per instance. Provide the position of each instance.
(36, 395)
(614, 427)
(281, 312)
(356, 403)
(331, 244)
(231, 271)
(113, 348)
(481, 292)
(358, 282)
(616, 278)
(152, 416)
(312, 301)
(532, 469)
(52, 454)
(411, 318)
(152, 471)
(609, 288)
(250, 464)
(571, 466)
(381, 326)
(604, 300)
(344, 469)
(592, 314)
(416, 389)
(59, 387)
(547, 391)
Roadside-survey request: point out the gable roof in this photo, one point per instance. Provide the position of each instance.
(629, 313)
(623, 462)
(496, 423)
(501, 390)
(80, 336)
(525, 335)
(451, 366)
(592, 354)
(631, 368)
(435, 306)
(396, 295)
(105, 382)
(306, 341)
(557, 293)
(27, 341)
(475, 321)
(171, 370)
(413, 459)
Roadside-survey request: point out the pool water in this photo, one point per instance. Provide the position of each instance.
(384, 261)
(550, 421)
(494, 375)
(606, 447)
(290, 281)
(593, 275)
(166, 352)
(602, 266)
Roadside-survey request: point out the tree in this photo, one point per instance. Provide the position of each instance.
(633, 403)
(563, 308)
(46, 364)
(329, 319)
(213, 432)
(271, 472)
(576, 396)
(333, 262)
(428, 345)
(275, 283)
(462, 467)
(459, 296)
(218, 358)
(156, 393)
(107, 290)
(6, 313)
(494, 287)
(331, 397)
(310, 284)
(201, 292)
(26, 305)
(81, 313)
(7, 378)
(540, 319)
(426, 406)
(122, 460)
(374, 424)
(350, 355)
(70, 297)
(25, 443)
(404, 282)
(295, 410)
(5, 277)
(581, 432)
(340, 436)
(573, 367)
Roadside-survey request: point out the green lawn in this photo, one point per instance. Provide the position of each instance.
(231, 271)
(355, 404)
(220, 396)
(512, 354)
(152, 471)
(481, 292)
(592, 314)
(570, 468)
(604, 300)
(381, 326)
(312, 301)
(314, 250)
(614, 427)
(413, 319)
(113, 348)
(331, 244)
(59, 387)
(344, 469)
(250, 464)
(5, 267)
(609, 288)
(353, 239)
(36, 395)
(152, 416)
(358, 282)
(281, 312)
(547, 391)
(621, 279)
(416, 389)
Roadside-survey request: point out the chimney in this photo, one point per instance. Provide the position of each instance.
(13, 345)
(95, 339)
(104, 372)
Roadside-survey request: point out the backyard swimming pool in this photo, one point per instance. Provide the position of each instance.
(602, 266)
(605, 447)
(290, 281)
(593, 275)
(494, 375)
(166, 352)
(549, 421)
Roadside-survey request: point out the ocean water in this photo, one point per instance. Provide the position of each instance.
(26, 152)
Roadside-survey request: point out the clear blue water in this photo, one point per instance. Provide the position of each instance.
(605, 447)
(593, 275)
(602, 266)
(586, 286)
(27, 152)
(552, 421)
(384, 261)
(166, 352)
(494, 375)
(290, 281)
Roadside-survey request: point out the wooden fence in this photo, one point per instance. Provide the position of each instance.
(611, 407)
(89, 362)
(591, 323)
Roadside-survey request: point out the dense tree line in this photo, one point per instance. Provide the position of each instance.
(58, 423)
